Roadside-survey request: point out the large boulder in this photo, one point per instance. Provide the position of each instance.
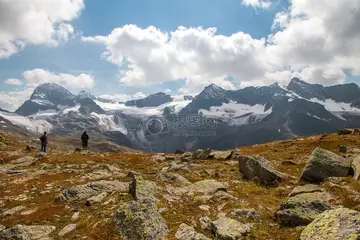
(303, 208)
(230, 229)
(258, 169)
(186, 232)
(336, 224)
(142, 189)
(140, 220)
(79, 192)
(323, 164)
(355, 167)
(201, 154)
(23, 232)
(222, 155)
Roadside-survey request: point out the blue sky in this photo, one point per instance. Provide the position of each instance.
(76, 56)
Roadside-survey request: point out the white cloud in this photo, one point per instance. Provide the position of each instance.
(257, 3)
(12, 100)
(37, 76)
(13, 81)
(35, 22)
(167, 91)
(152, 56)
(316, 40)
(123, 97)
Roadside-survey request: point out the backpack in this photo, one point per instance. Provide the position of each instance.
(42, 138)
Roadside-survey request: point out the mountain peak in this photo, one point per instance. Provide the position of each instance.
(213, 91)
(85, 94)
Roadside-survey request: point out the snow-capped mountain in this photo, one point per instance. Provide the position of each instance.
(245, 116)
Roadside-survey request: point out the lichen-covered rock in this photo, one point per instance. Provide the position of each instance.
(257, 168)
(68, 228)
(79, 192)
(355, 167)
(336, 224)
(201, 154)
(186, 232)
(96, 199)
(23, 232)
(246, 213)
(98, 174)
(323, 164)
(140, 220)
(344, 131)
(142, 189)
(174, 178)
(208, 187)
(224, 155)
(308, 188)
(303, 208)
(24, 161)
(230, 229)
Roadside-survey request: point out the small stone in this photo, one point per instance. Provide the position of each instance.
(248, 213)
(204, 207)
(230, 229)
(205, 223)
(342, 149)
(186, 232)
(75, 216)
(13, 210)
(2, 227)
(96, 199)
(68, 228)
(169, 157)
(28, 212)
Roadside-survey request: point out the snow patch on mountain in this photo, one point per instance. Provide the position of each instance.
(238, 113)
(74, 109)
(106, 122)
(29, 123)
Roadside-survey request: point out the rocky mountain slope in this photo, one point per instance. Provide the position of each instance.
(302, 188)
(215, 118)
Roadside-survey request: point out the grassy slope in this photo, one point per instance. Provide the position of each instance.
(250, 195)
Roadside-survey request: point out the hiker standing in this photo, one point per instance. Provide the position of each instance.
(84, 140)
(44, 141)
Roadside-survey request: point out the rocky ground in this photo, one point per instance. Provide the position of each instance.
(303, 188)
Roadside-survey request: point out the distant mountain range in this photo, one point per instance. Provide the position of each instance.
(241, 117)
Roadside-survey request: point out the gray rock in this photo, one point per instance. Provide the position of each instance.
(169, 157)
(174, 178)
(323, 164)
(344, 131)
(41, 155)
(222, 195)
(142, 189)
(158, 157)
(355, 167)
(246, 213)
(308, 188)
(201, 154)
(68, 228)
(208, 187)
(258, 169)
(175, 167)
(140, 220)
(336, 224)
(223, 155)
(186, 232)
(229, 229)
(24, 161)
(303, 208)
(13, 210)
(87, 190)
(23, 232)
(75, 216)
(96, 199)
(205, 223)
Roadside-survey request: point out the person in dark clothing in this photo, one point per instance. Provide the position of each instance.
(44, 141)
(85, 140)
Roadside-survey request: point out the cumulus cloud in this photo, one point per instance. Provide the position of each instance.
(123, 97)
(13, 81)
(257, 3)
(35, 22)
(12, 100)
(37, 76)
(32, 78)
(316, 40)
